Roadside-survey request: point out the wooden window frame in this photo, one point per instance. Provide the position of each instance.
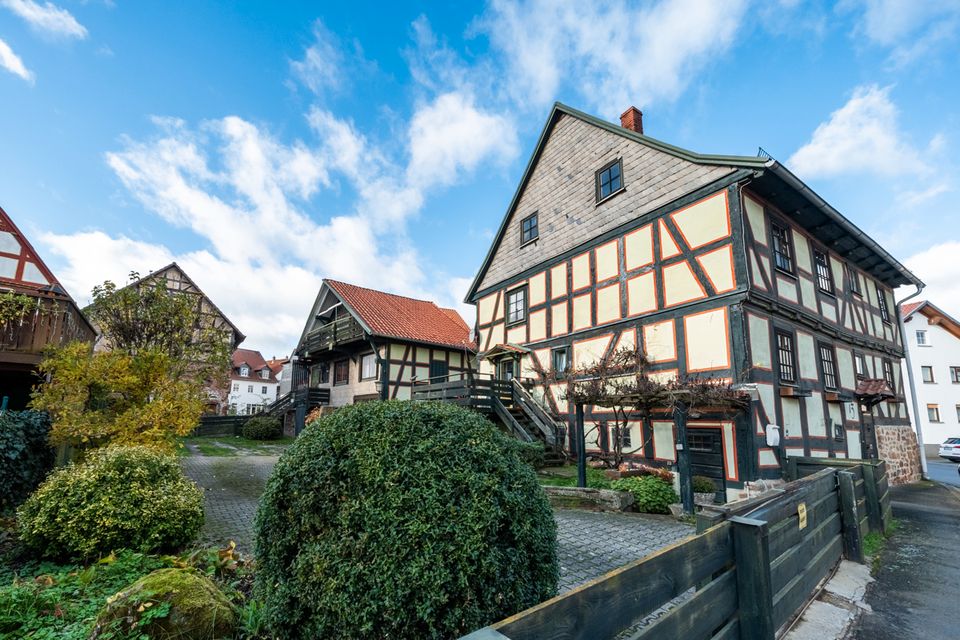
(535, 217)
(882, 306)
(553, 360)
(777, 246)
(263, 390)
(249, 388)
(924, 369)
(324, 376)
(888, 374)
(823, 271)
(828, 366)
(376, 367)
(792, 365)
(853, 282)
(337, 382)
(506, 306)
(598, 176)
(626, 441)
(859, 365)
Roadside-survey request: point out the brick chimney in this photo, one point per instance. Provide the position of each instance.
(632, 119)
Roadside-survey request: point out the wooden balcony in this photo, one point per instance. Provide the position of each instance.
(53, 322)
(331, 336)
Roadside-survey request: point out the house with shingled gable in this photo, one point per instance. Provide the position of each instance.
(714, 266)
(38, 313)
(360, 344)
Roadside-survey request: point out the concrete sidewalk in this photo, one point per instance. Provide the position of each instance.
(916, 590)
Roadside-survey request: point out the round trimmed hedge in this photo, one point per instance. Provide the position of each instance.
(402, 520)
(119, 497)
(262, 428)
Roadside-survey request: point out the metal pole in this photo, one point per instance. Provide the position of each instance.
(581, 449)
(683, 457)
(913, 389)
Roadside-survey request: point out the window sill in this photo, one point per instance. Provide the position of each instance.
(515, 323)
(612, 195)
(529, 242)
(831, 294)
(784, 272)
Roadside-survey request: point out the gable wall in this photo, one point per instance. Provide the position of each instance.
(562, 190)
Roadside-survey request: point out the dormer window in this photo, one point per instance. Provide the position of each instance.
(609, 180)
(529, 229)
(265, 374)
(244, 371)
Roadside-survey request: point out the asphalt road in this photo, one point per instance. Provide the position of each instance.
(941, 470)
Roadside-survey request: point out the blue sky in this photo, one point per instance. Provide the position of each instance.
(267, 145)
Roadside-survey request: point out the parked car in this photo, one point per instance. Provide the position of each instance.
(951, 449)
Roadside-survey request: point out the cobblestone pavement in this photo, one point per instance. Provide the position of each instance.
(589, 543)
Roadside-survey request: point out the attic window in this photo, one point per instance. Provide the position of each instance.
(529, 229)
(265, 374)
(609, 180)
(244, 371)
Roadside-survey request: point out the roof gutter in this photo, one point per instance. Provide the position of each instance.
(913, 393)
(794, 182)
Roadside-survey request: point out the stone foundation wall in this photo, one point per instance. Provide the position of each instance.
(897, 445)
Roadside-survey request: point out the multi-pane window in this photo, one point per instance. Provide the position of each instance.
(882, 303)
(609, 180)
(263, 391)
(624, 432)
(782, 248)
(933, 412)
(236, 387)
(955, 375)
(922, 338)
(888, 374)
(561, 360)
(368, 366)
(265, 374)
(341, 372)
(838, 433)
(529, 229)
(860, 365)
(854, 280)
(249, 388)
(824, 275)
(324, 374)
(517, 305)
(828, 366)
(244, 371)
(785, 358)
(927, 373)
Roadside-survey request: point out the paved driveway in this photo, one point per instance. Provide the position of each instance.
(589, 543)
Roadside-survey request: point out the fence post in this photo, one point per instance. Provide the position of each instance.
(792, 473)
(874, 510)
(852, 547)
(751, 546)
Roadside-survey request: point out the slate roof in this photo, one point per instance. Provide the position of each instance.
(391, 316)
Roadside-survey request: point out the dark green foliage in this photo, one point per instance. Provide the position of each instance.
(25, 456)
(533, 453)
(261, 428)
(652, 494)
(118, 498)
(703, 484)
(402, 520)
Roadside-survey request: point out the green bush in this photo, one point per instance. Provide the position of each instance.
(651, 494)
(401, 520)
(25, 456)
(533, 453)
(118, 498)
(703, 484)
(261, 428)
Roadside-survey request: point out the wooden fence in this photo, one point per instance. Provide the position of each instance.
(220, 425)
(872, 483)
(745, 576)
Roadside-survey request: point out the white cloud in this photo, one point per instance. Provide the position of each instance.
(911, 29)
(12, 63)
(938, 268)
(614, 54)
(321, 67)
(862, 136)
(47, 18)
(912, 198)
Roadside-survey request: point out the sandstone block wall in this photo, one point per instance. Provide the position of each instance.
(897, 445)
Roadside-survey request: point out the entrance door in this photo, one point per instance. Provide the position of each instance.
(505, 370)
(868, 435)
(706, 457)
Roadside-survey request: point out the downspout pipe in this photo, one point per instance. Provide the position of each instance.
(910, 378)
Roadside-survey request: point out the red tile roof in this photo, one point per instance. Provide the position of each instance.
(910, 307)
(252, 359)
(276, 364)
(392, 316)
(874, 387)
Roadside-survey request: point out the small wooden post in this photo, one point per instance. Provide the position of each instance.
(751, 545)
(581, 449)
(852, 540)
(874, 510)
(683, 457)
(792, 472)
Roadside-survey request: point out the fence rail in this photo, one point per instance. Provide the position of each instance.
(744, 576)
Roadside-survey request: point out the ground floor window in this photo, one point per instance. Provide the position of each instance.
(341, 372)
(561, 360)
(368, 366)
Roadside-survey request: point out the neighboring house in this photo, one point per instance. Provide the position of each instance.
(933, 340)
(253, 383)
(360, 344)
(50, 316)
(281, 371)
(718, 266)
(177, 281)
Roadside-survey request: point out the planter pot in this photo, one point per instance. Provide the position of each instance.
(704, 498)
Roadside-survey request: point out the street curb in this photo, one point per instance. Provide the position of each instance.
(952, 489)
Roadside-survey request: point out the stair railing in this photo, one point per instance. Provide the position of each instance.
(501, 411)
(540, 418)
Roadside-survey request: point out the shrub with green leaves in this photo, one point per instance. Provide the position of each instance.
(25, 456)
(402, 520)
(703, 484)
(261, 428)
(119, 497)
(533, 453)
(651, 494)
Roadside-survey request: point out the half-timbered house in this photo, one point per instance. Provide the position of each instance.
(718, 266)
(359, 344)
(37, 312)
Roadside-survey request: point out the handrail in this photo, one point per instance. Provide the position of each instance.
(508, 418)
(535, 412)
